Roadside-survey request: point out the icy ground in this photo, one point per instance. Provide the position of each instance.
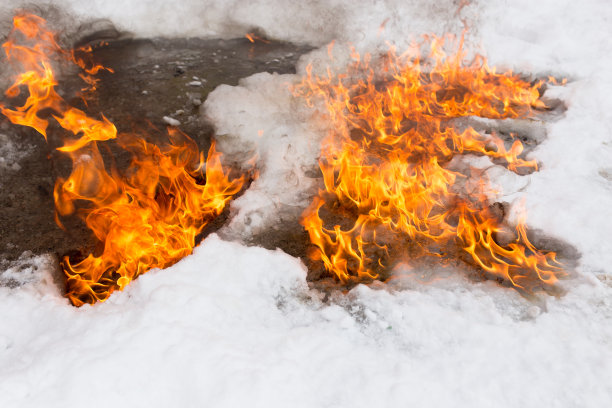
(238, 326)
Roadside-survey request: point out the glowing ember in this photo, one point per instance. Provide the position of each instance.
(148, 218)
(389, 174)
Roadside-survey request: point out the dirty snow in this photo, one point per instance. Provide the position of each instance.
(11, 153)
(233, 325)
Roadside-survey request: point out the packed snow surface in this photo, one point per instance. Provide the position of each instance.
(238, 326)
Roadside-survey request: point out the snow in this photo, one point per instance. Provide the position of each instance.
(314, 21)
(233, 325)
(171, 121)
(29, 269)
(578, 148)
(260, 119)
(11, 153)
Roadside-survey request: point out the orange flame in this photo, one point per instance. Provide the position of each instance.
(387, 170)
(147, 218)
(252, 38)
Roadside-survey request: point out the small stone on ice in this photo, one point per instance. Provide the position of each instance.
(171, 121)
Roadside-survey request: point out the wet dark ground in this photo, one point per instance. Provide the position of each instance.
(152, 79)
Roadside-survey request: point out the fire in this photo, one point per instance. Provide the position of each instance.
(393, 186)
(148, 217)
(252, 37)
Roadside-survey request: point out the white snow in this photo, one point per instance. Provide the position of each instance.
(238, 326)
(310, 21)
(171, 121)
(571, 197)
(259, 118)
(234, 326)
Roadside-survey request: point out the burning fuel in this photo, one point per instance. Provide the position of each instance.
(146, 218)
(393, 190)
(393, 187)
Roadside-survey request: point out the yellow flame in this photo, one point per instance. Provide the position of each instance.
(386, 165)
(148, 218)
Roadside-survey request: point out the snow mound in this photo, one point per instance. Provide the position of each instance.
(233, 326)
(260, 120)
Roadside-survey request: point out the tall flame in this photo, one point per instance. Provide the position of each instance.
(147, 218)
(389, 173)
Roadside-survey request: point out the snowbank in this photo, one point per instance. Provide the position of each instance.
(235, 326)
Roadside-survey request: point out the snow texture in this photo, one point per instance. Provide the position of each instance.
(312, 21)
(10, 154)
(234, 326)
(260, 119)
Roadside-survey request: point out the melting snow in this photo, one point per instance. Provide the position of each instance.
(234, 326)
(11, 154)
